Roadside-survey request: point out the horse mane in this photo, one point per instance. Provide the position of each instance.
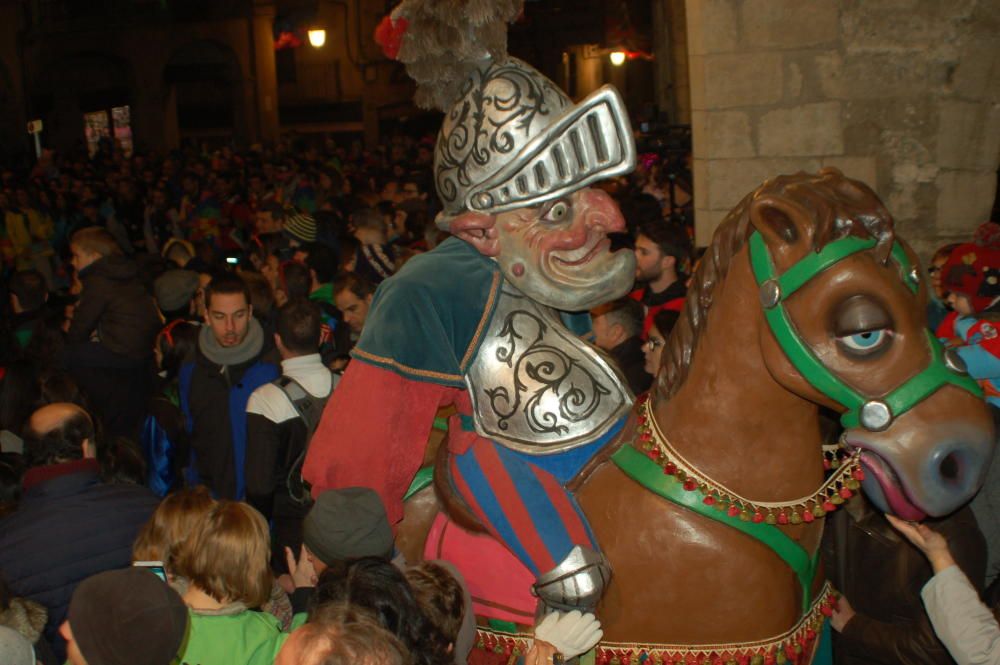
(838, 207)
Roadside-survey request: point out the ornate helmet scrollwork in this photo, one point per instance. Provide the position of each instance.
(514, 139)
(511, 138)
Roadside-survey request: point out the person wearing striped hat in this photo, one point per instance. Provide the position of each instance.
(300, 227)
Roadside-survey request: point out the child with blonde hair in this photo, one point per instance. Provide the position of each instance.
(226, 564)
(171, 523)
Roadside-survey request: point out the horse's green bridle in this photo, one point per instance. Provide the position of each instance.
(874, 413)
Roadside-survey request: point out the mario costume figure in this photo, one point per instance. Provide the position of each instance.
(971, 276)
(485, 321)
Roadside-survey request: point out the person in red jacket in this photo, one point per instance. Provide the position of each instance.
(971, 275)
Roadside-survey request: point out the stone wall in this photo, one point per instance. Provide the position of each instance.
(901, 94)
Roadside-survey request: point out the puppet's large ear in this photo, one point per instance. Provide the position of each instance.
(478, 230)
(785, 227)
(778, 221)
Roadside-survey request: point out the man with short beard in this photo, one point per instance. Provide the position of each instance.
(662, 252)
(215, 387)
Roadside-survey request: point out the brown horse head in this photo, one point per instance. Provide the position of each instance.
(926, 435)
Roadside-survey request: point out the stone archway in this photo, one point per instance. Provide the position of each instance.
(204, 80)
(72, 84)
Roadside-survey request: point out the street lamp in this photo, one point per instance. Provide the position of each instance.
(317, 37)
(617, 58)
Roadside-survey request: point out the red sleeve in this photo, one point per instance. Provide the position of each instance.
(373, 434)
(946, 329)
(675, 305)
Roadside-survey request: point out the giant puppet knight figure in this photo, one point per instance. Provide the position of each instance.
(484, 322)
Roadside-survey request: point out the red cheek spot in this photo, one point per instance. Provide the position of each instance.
(517, 269)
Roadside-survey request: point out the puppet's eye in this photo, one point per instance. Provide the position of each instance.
(558, 212)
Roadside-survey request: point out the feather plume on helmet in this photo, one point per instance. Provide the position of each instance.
(442, 42)
(510, 137)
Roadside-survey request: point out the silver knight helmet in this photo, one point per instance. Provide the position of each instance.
(514, 140)
(515, 156)
(516, 148)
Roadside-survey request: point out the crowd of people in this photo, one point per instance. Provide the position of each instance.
(159, 306)
(174, 328)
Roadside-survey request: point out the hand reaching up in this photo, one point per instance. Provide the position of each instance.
(302, 571)
(930, 542)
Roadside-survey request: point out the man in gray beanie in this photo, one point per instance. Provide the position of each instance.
(122, 617)
(343, 524)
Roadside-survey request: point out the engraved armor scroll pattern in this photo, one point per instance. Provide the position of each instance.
(536, 387)
(502, 107)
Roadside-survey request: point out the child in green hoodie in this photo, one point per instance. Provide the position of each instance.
(226, 562)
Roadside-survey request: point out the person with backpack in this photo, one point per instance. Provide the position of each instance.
(281, 418)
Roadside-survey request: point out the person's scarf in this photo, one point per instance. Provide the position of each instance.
(246, 350)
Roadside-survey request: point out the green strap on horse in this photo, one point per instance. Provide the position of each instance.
(649, 474)
(874, 414)
(425, 476)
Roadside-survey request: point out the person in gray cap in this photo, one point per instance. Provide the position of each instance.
(15, 649)
(351, 523)
(175, 292)
(122, 617)
(342, 524)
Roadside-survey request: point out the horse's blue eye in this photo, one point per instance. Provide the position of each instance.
(866, 342)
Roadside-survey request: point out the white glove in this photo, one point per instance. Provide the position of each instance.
(571, 633)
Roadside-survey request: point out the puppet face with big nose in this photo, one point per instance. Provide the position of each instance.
(557, 253)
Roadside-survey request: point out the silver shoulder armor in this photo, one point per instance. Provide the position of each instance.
(538, 388)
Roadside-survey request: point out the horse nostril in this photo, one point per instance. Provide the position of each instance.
(950, 467)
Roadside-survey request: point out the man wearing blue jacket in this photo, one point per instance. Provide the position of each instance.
(215, 387)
